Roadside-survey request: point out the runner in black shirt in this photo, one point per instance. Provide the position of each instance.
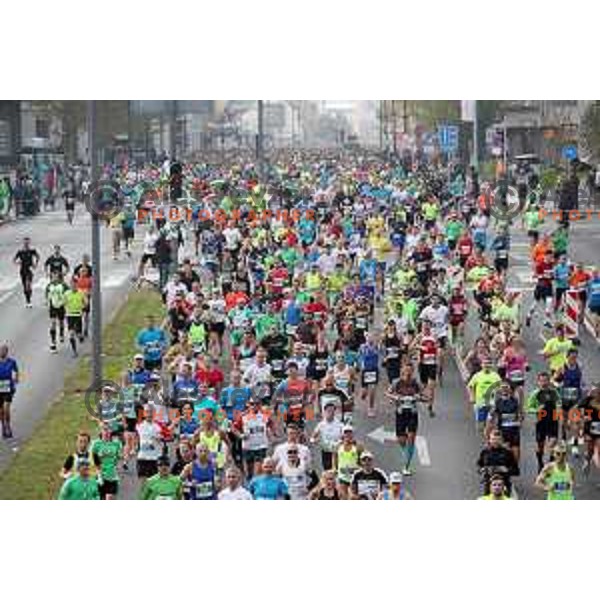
(27, 258)
(56, 263)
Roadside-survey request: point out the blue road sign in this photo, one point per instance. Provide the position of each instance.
(448, 136)
(569, 152)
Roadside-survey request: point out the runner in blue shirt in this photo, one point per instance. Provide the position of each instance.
(9, 378)
(268, 486)
(153, 342)
(369, 356)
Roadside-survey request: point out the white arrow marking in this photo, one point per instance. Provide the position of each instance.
(422, 451)
(383, 436)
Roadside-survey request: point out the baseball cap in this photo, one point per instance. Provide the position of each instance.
(347, 428)
(366, 454)
(163, 460)
(138, 357)
(395, 477)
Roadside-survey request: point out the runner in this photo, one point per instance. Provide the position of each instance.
(234, 490)
(83, 486)
(404, 393)
(75, 302)
(557, 478)
(396, 490)
(9, 379)
(28, 259)
(367, 481)
(163, 485)
(109, 449)
(268, 486)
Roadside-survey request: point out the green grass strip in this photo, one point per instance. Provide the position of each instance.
(34, 472)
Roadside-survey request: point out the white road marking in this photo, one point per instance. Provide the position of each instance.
(9, 284)
(422, 451)
(383, 436)
(460, 363)
(115, 280)
(6, 296)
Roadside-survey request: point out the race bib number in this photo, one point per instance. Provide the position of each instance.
(393, 352)
(516, 376)
(562, 486)
(277, 365)
(510, 420)
(407, 403)
(204, 489)
(502, 254)
(5, 386)
(361, 322)
(570, 393)
(429, 359)
(595, 428)
(370, 377)
(367, 488)
(291, 329)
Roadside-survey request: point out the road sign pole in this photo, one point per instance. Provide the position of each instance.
(96, 259)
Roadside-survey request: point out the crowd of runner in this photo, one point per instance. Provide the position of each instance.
(341, 285)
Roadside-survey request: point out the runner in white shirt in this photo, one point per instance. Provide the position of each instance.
(234, 491)
(257, 373)
(149, 254)
(328, 433)
(437, 314)
(173, 288)
(150, 447)
(233, 238)
(295, 474)
(280, 454)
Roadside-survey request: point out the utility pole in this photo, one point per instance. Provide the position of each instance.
(260, 138)
(96, 259)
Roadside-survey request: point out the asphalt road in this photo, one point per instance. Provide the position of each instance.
(26, 330)
(447, 445)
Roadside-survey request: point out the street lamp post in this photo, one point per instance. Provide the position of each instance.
(96, 294)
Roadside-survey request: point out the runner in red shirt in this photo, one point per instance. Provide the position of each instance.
(464, 247)
(233, 297)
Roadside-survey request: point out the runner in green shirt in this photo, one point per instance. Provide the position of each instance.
(454, 229)
(479, 387)
(109, 451)
(290, 257)
(556, 349)
(163, 485)
(560, 241)
(80, 486)
(264, 323)
(532, 221)
(75, 302)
